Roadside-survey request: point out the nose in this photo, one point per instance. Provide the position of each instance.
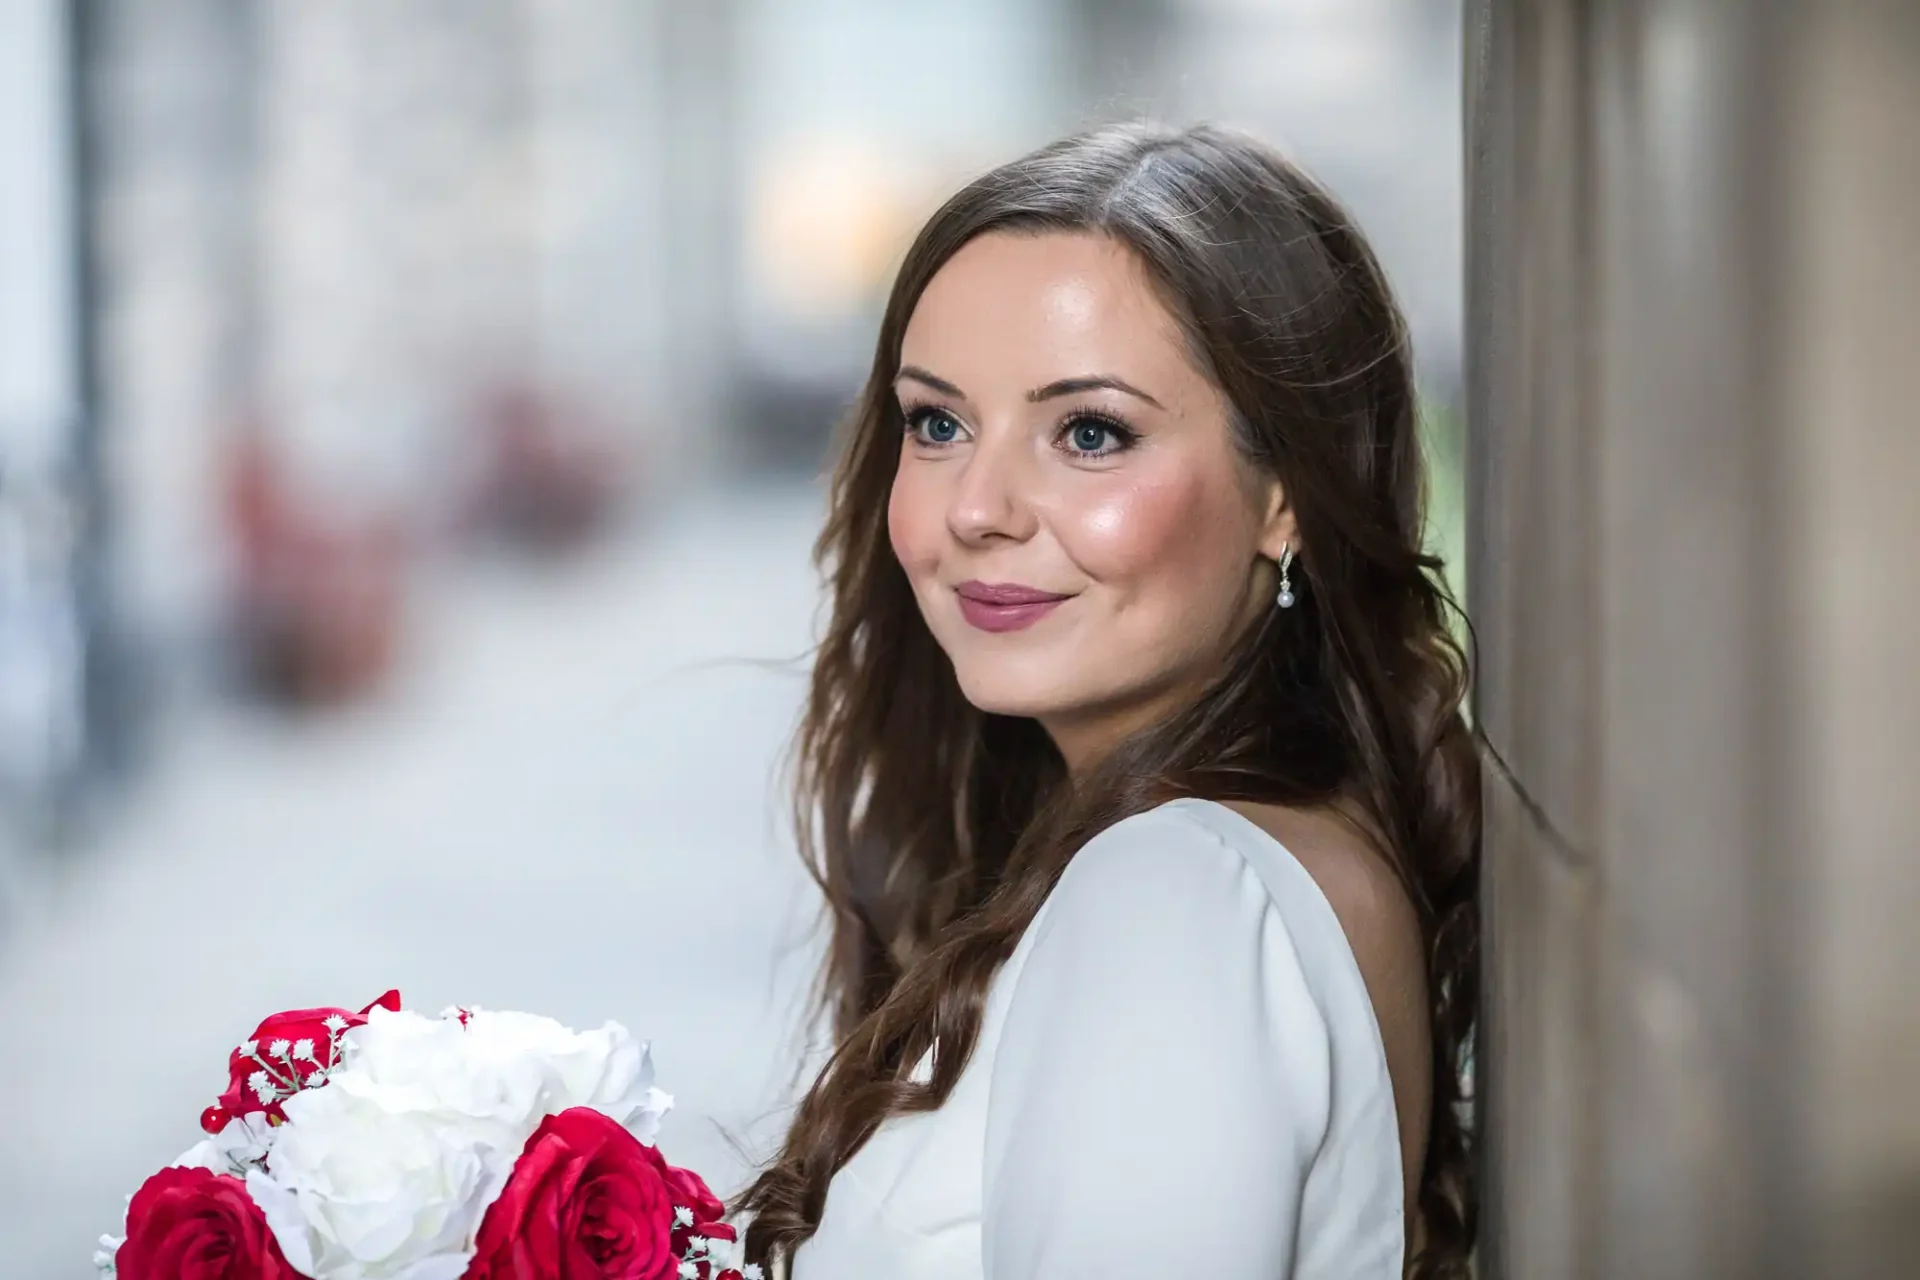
(992, 498)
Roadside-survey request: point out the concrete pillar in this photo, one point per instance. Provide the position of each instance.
(1691, 308)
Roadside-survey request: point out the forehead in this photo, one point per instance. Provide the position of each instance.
(1014, 309)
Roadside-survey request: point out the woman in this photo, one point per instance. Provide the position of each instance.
(1134, 769)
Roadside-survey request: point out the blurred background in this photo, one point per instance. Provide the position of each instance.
(410, 423)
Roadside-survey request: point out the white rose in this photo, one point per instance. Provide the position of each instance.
(502, 1073)
(386, 1172)
(360, 1192)
(605, 1069)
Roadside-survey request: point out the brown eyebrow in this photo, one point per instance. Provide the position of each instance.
(941, 385)
(1094, 382)
(1052, 391)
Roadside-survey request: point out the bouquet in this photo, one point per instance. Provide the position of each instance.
(388, 1145)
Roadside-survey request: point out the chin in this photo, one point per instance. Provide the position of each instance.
(1002, 692)
(1039, 692)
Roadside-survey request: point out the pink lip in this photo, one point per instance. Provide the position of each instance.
(1004, 606)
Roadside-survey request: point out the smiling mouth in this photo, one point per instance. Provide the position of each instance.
(1005, 606)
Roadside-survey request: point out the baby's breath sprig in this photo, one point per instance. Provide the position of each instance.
(279, 1076)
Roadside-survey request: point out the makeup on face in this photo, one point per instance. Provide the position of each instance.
(1069, 506)
(1005, 606)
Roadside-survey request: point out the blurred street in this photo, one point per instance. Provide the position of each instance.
(570, 810)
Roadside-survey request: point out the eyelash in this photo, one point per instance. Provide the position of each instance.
(1124, 437)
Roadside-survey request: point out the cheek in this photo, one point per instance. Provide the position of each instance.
(915, 524)
(1165, 531)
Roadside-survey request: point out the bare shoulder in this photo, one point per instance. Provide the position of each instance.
(1352, 870)
(1351, 867)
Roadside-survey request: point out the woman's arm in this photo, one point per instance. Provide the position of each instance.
(1163, 1080)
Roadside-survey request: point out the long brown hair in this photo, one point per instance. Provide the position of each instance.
(936, 830)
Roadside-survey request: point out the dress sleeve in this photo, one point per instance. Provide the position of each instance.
(1163, 1077)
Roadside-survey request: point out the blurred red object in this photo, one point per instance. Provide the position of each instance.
(318, 596)
(546, 482)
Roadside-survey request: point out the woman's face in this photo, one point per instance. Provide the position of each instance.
(1084, 539)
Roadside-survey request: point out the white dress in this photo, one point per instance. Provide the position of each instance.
(1179, 1073)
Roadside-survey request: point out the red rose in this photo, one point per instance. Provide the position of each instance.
(688, 1190)
(192, 1224)
(585, 1202)
(306, 1040)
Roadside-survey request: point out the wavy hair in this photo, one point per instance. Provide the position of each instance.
(936, 830)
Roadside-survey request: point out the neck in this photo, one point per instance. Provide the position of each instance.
(1086, 738)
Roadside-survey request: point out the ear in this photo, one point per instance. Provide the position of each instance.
(1279, 529)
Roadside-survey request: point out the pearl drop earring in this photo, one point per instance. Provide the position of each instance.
(1285, 598)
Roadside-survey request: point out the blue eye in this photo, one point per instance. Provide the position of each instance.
(1089, 436)
(1095, 436)
(933, 426)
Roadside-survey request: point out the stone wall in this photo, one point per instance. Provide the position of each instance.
(1691, 301)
